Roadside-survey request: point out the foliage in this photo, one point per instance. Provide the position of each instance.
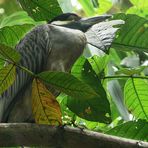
(46, 109)
(7, 77)
(98, 105)
(133, 129)
(139, 8)
(41, 10)
(133, 34)
(94, 90)
(136, 97)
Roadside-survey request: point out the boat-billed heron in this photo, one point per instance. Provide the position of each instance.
(54, 47)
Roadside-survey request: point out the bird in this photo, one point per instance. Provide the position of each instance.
(54, 46)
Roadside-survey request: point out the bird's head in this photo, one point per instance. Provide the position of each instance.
(73, 21)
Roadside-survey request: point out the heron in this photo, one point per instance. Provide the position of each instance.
(54, 46)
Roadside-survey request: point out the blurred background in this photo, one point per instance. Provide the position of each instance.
(87, 7)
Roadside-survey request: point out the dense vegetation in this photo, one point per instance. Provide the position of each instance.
(106, 91)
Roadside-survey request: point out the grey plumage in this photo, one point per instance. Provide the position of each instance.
(38, 53)
(46, 47)
(30, 57)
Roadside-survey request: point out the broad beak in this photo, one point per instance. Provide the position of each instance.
(86, 23)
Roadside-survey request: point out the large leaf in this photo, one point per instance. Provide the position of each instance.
(140, 4)
(18, 18)
(87, 7)
(104, 6)
(9, 53)
(14, 27)
(133, 35)
(68, 84)
(98, 63)
(67, 115)
(84, 71)
(8, 7)
(46, 109)
(92, 7)
(133, 129)
(140, 8)
(136, 97)
(97, 108)
(11, 35)
(41, 10)
(102, 34)
(7, 77)
(1, 63)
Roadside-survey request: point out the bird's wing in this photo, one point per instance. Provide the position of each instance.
(34, 48)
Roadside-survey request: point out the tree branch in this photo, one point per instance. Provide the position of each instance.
(14, 134)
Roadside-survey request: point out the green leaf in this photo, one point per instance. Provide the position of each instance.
(67, 115)
(95, 3)
(14, 27)
(98, 63)
(138, 11)
(104, 6)
(132, 129)
(136, 94)
(114, 56)
(95, 126)
(140, 8)
(18, 18)
(11, 35)
(140, 4)
(7, 77)
(84, 71)
(133, 35)
(68, 84)
(8, 7)
(1, 63)
(9, 53)
(97, 108)
(87, 7)
(41, 10)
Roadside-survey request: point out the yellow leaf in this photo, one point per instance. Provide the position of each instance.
(46, 109)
